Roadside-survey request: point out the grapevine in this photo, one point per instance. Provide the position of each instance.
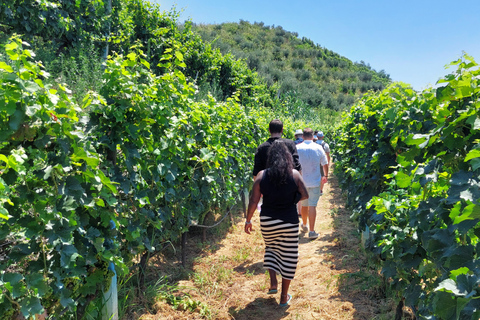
(410, 166)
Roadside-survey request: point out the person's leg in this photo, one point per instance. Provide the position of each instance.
(321, 180)
(304, 215)
(314, 195)
(284, 295)
(312, 216)
(273, 279)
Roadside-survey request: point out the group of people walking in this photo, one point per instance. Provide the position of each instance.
(290, 177)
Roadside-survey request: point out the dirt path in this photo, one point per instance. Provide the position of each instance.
(225, 278)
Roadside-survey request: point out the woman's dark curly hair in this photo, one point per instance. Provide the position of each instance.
(280, 163)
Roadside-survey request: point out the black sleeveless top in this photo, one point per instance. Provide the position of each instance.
(279, 202)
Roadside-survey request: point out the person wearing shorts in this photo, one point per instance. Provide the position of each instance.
(326, 148)
(312, 158)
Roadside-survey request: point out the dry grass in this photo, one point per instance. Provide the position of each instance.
(225, 279)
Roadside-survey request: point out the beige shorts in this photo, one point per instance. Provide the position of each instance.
(313, 196)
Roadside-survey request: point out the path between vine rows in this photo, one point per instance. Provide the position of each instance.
(333, 278)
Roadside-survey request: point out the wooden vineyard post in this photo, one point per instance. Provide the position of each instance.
(399, 310)
(184, 249)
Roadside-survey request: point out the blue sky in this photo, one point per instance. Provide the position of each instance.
(411, 40)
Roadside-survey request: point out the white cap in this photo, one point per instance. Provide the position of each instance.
(299, 131)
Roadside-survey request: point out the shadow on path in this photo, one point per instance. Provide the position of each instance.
(261, 308)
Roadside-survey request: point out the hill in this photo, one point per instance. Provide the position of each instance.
(317, 75)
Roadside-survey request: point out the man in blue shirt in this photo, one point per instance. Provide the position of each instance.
(298, 136)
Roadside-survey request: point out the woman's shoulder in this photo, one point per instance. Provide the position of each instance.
(296, 175)
(260, 174)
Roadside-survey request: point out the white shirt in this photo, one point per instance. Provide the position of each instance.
(311, 156)
(325, 146)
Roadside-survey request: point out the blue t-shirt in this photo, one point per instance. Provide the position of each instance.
(298, 141)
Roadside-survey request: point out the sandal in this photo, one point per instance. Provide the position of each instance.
(272, 291)
(288, 300)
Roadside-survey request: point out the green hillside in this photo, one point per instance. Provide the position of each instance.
(318, 76)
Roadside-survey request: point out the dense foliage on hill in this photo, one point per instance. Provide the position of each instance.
(64, 23)
(63, 33)
(320, 76)
(71, 38)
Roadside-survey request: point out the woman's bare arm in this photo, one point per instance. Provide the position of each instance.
(301, 185)
(253, 202)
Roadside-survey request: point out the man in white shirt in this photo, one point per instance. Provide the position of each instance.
(312, 157)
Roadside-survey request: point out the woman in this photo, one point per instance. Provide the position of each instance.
(282, 187)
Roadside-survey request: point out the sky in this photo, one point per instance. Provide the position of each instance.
(411, 40)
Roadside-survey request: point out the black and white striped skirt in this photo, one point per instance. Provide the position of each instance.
(281, 246)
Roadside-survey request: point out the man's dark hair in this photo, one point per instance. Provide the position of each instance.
(307, 133)
(279, 163)
(275, 126)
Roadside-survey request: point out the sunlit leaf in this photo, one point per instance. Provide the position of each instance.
(5, 67)
(403, 180)
(474, 153)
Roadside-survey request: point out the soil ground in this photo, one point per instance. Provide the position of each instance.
(224, 276)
